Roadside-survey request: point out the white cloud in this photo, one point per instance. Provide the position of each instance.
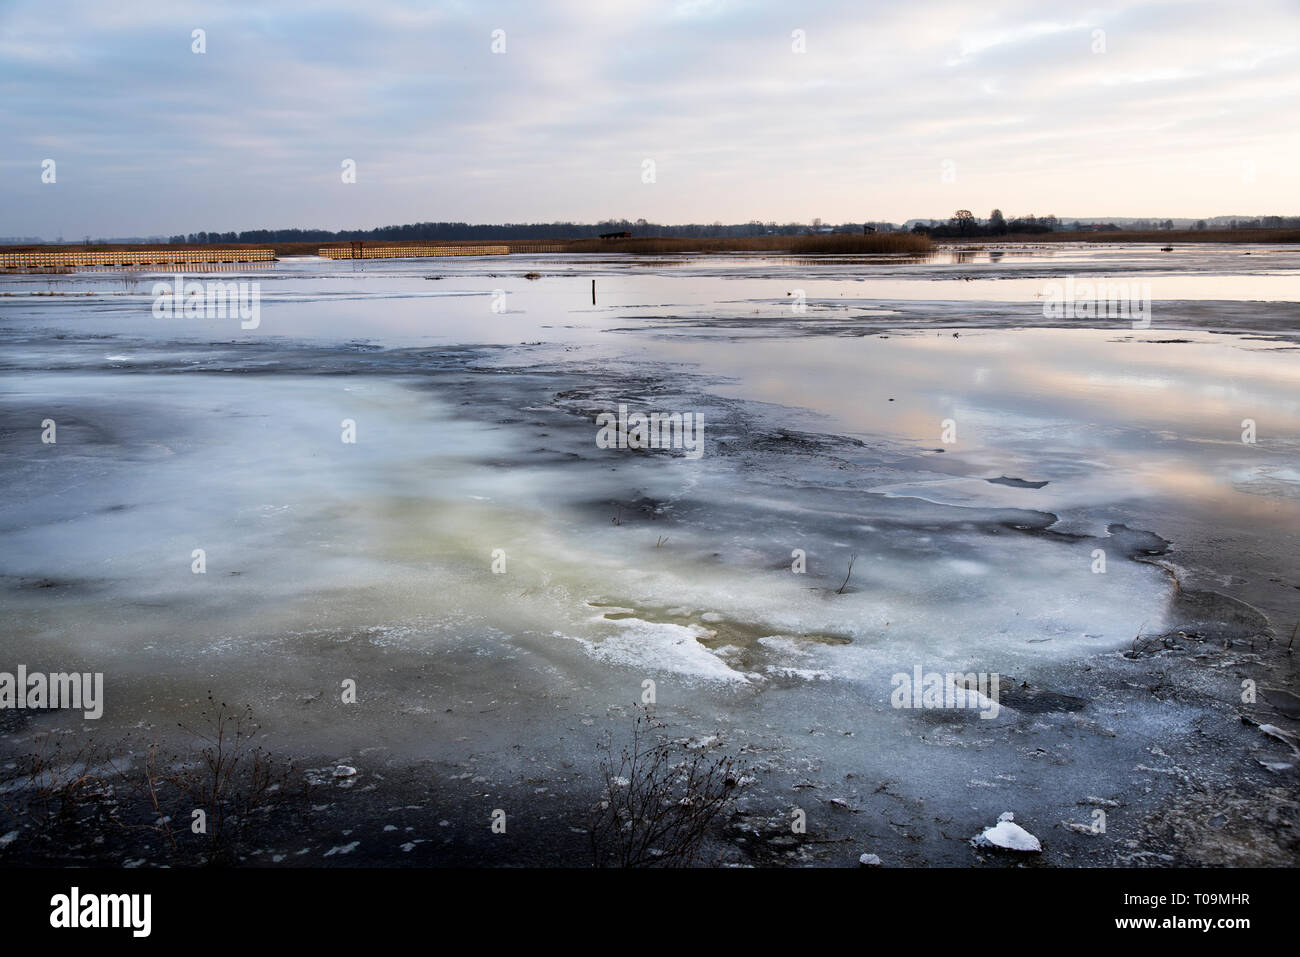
(154, 139)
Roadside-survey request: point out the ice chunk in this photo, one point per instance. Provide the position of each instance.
(1007, 835)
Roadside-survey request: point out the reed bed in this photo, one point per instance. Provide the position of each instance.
(845, 243)
(1163, 236)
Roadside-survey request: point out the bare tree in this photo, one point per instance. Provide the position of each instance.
(963, 221)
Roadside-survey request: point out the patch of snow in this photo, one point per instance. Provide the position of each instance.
(661, 646)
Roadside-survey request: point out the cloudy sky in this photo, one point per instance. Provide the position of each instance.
(891, 111)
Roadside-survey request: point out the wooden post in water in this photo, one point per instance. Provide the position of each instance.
(593, 292)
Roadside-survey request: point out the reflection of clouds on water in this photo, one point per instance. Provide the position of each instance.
(824, 443)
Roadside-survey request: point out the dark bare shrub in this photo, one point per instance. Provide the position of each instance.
(662, 799)
(229, 779)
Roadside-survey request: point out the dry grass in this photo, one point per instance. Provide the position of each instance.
(56, 785)
(64, 793)
(667, 245)
(1162, 236)
(849, 243)
(844, 244)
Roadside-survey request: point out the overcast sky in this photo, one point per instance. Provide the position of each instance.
(893, 110)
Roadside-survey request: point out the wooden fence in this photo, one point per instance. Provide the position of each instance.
(72, 258)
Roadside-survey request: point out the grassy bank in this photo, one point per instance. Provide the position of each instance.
(660, 245)
(830, 244)
(1165, 237)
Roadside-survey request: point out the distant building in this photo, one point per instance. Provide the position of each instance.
(623, 235)
(868, 228)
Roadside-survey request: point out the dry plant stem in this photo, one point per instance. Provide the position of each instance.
(852, 559)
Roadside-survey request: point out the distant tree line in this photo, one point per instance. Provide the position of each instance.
(1261, 222)
(963, 223)
(416, 232)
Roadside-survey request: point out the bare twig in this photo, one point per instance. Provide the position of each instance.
(852, 558)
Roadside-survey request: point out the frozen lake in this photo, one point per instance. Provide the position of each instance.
(906, 464)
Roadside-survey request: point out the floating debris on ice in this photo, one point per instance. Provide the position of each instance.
(1273, 731)
(1276, 766)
